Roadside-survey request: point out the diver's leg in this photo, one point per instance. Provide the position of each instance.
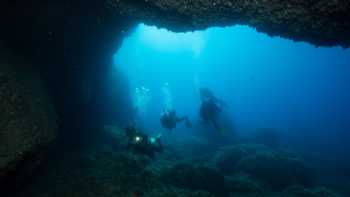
(216, 125)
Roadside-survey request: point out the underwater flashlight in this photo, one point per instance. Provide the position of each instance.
(152, 140)
(138, 138)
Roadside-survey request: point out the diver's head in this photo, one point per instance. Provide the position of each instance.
(205, 93)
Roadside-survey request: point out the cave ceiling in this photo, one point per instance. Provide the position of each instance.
(73, 28)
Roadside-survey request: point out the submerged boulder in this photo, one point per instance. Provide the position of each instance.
(279, 170)
(195, 178)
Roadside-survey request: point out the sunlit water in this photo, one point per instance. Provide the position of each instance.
(267, 82)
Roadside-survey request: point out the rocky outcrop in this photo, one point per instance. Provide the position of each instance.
(244, 186)
(196, 178)
(81, 32)
(228, 157)
(276, 169)
(27, 119)
(320, 22)
(101, 171)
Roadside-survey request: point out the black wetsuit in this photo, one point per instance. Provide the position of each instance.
(209, 112)
(169, 120)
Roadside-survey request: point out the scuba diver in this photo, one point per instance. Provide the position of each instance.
(169, 120)
(210, 108)
(141, 143)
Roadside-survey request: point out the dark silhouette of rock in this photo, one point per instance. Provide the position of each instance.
(27, 120)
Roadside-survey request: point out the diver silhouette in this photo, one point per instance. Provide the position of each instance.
(210, 108)
(169, 120)
(141, 143)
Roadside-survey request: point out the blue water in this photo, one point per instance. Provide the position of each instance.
(296, 88)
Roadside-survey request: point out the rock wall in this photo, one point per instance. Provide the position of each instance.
(72, 43)
(27, 119)
(320, 22)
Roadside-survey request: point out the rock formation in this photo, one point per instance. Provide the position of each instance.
(27, 119)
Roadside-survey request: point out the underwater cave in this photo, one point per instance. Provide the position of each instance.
(175, 98)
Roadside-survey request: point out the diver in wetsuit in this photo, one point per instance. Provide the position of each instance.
(141, 143)
(210, 108)
(169, 120)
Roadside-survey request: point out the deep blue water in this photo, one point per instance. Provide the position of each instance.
(268, 82)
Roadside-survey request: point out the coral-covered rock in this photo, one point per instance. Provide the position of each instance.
(195, 178)
(276, 169)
